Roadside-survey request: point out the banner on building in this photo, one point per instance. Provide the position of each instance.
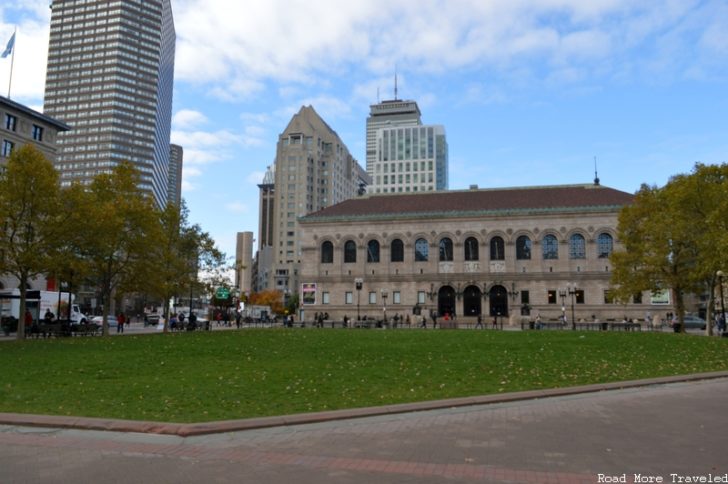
(308, 293)
(660, 297)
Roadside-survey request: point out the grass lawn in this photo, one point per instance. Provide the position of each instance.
(196, 377)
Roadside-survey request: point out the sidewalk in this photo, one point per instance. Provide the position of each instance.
(655, 430)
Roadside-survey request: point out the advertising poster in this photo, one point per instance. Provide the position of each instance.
(660, 297)
(308, 293)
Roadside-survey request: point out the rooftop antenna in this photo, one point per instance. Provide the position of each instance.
(596, 177)
(395, 82)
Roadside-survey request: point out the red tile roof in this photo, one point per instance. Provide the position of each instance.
(473, 202)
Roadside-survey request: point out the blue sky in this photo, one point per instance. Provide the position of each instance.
(529, 92)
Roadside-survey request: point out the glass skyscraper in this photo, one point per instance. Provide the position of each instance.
(110, 77)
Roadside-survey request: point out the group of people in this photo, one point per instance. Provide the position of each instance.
(181, 322)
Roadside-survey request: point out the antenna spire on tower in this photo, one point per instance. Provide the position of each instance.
(596, 177)
(395, 82)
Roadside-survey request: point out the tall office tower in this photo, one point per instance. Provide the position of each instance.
(263, 262)
(314, 170)
(244, 261)
(410, 159)
(267, 203)
(388, 114)
(174, 190)
(110, 76)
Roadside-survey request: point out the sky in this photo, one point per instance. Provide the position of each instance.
(530, 92)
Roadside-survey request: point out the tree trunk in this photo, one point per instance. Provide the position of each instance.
(680, 308)
(21, 311)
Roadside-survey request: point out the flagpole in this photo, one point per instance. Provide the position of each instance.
(12, 61)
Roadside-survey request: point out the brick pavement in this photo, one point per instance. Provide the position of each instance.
(655, 430)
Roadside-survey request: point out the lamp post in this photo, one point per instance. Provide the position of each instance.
(359, 282)
(513, 293)
(572, 292)
(384, 293)
(431, 294)
(722, 304)
(562, 295)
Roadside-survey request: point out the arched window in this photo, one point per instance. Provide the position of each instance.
(523, 248)
(397, 251)
(350, 251)
(373, 251)
(550, 245)
(327, 253)
(577, 247)
(445, 249)
(471, 248)
(605, 244)
(497, 249)
(422, 250)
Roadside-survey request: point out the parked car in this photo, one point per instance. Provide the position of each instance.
(693, 322)
(100, 320)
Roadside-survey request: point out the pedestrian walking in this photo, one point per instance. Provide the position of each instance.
(120, 320)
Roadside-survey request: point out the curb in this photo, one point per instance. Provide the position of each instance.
(204, 428)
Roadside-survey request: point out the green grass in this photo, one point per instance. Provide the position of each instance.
(198, 377)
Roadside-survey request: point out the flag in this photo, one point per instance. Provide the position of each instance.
(9, 49)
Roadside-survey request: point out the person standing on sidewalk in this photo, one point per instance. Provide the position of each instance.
(120, 320)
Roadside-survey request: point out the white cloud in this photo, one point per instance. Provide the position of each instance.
(255, 177)
(263, 40)
(29, 64)
(234, 49)
(254, 136)
(237, 207)
(187, 118)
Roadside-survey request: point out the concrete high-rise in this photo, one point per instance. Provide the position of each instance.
(410, 159)
(403, 155)
(174, 190)
(244, 261)
(388, 114)
(313, 170)
(267, 201)
(110, 77)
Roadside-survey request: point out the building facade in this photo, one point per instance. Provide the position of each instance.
(503, 253)
(244, 262)
(387, 114)
(410, 159)
(313, 170)
(110, 76)
(267, 204)
(22, 125)
(403, 155)
(176, 160)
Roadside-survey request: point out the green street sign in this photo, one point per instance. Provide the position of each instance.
(222, 293)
